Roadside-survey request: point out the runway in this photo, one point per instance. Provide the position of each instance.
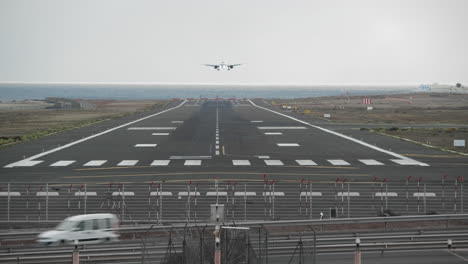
(227, 136)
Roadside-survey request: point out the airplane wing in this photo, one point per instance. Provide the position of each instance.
(212, 65)
(233, 65)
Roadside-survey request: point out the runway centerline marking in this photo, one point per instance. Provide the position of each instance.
(145, 145)
(287, 144)
(413, 162)
(92, 136)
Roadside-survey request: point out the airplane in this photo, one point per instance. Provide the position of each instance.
(222, 66)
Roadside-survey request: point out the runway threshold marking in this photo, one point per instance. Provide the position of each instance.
(401, 157)
(32, 158)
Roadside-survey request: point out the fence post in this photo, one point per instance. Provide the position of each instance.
(8, 206)
(47, 201)
(461, 197)
(245, 202)
(424, 200)
(85, 198)
(122, 195)
(349, 202)
(160, 202)
(310, 200)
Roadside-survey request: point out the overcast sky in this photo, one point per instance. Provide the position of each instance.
(301, 42)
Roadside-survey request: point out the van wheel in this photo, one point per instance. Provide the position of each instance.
(62, 242)
(108, 239)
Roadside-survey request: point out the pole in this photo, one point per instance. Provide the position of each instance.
(76, 255)
(85, 197)
(245, 202)
(47, 201)
(160, 202)
(310, 200)
(357, 252)
(8, 203)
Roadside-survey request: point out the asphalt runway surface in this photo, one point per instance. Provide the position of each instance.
(245, 142)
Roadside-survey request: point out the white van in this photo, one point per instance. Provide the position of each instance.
(82, 229)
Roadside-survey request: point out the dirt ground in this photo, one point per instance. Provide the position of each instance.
(406, 109)
(23, 123)
(419, 108)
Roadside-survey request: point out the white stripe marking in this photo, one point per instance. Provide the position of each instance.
(85, 193)
(190, 157)
(62, 163)
(161, 194)
(273, 162)
(160, 163)
(273, 133)
(421, 194)
(93, 136)
(151, 128)
(245, 194)
(10, 194)
(387, 194)
(339, 162)
(311, 194)
(306, 162)
(408, 162)
(160, 134)
(344, 136)
(177, 122)
(192, 163)
(348, 194)
(127, 163)
(189, 193)
(285, 127)
(241, 162)
(24, 163)
(145, 145)
(217, 141)
(273, 193)
(95, 163)
(217, 152)
(287, 144)
(47, 194)
(263, 157)
(371, 162)
(214, 194)
(123, 194)
(256, 121)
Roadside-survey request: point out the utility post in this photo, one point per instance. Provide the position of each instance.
(217, 216)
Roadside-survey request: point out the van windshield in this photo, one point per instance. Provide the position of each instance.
(66, 226)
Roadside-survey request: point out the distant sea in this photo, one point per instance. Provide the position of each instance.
(10, 92)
